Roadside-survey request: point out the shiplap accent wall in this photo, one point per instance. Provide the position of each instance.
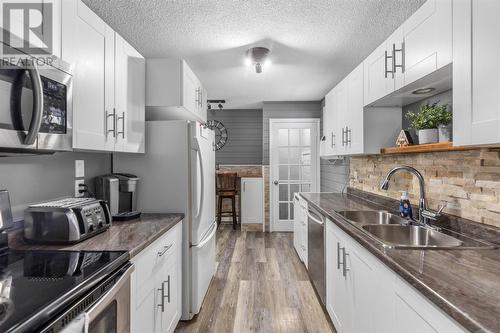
(244, 144)
(285, 110)
(334, 175)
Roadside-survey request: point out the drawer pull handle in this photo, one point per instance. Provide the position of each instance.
(165, 249)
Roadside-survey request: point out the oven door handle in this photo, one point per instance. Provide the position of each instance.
(102, 303)
(36, 119)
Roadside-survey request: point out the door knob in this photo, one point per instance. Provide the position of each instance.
(275, 182)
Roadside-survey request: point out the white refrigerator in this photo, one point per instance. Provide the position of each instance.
(177, 175)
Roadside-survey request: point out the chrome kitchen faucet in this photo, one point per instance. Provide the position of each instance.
(424, 213)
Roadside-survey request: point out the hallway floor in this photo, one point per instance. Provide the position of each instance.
(260, 286)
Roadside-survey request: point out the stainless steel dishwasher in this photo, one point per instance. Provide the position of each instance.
(316, 251)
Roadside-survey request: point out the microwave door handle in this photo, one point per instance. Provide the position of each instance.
(36, 120)
(105, 300)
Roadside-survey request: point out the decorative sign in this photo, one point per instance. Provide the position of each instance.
(220, 133)
(404, 139)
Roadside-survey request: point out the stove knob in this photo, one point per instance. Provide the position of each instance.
(91, 227)
(100, 224)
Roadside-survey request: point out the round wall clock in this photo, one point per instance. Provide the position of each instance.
(220, 133)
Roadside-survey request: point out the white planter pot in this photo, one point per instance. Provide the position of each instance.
(428, 136)
(444, 133)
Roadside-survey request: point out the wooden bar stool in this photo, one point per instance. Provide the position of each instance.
(227, 189)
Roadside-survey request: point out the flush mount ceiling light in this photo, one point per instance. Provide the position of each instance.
(423, 91)
(258, 57)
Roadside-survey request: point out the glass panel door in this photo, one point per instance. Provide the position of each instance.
(294, 155)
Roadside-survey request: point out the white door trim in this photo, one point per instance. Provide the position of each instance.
(272, 121)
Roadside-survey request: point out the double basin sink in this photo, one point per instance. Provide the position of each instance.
(396, 232)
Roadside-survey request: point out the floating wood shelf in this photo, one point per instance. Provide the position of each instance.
(425, 148)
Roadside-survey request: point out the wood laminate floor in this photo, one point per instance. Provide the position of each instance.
(260, 286)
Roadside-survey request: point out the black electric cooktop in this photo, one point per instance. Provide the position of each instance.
(37, 285)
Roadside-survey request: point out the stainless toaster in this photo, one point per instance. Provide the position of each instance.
(65, 221)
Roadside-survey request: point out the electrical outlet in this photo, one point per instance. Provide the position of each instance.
(79, 168)
(78, 182)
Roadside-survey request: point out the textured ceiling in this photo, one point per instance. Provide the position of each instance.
(314, 43)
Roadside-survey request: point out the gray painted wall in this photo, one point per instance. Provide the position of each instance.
(244, 144)
(31, 179)
(443, 98)
(285, 110)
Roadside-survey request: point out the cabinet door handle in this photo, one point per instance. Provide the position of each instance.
(344, 136)
(333, 140)
(122, 118)
(387, 71)
(338, 255)
(165, 249)
(244, 186)
(394, 63)
(344, 262)
(348, 135)
(168, 288)
(162, 290)
(107, 116)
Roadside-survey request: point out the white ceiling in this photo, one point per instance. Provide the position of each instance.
(314, 43)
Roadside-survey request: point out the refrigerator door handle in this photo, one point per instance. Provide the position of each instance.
(196, 147)
(207, 238)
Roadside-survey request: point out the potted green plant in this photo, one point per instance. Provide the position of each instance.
(444, 127)
(426, 121)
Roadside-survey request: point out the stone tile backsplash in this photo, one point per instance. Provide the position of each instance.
(468, 182)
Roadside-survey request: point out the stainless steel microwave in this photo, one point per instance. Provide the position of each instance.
(35, 106)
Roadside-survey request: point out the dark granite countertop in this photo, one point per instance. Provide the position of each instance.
(132, 236)
(465, 284)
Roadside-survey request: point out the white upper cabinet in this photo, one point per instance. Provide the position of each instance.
(130, 97)
(329, 122)
(422, 45)
(476, 72)
(108, 83)
(378, 77)
(353, 118)
(352, 129)
(174, 92)
(88, 45)
(427, 42)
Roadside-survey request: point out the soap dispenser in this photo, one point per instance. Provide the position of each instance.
(405, 206)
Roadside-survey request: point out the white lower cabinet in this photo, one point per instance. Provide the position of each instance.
(252, 202)
(363, 295)
(300, 228)
(156, 302)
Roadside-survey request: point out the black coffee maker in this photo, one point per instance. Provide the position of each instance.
(119, 190)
